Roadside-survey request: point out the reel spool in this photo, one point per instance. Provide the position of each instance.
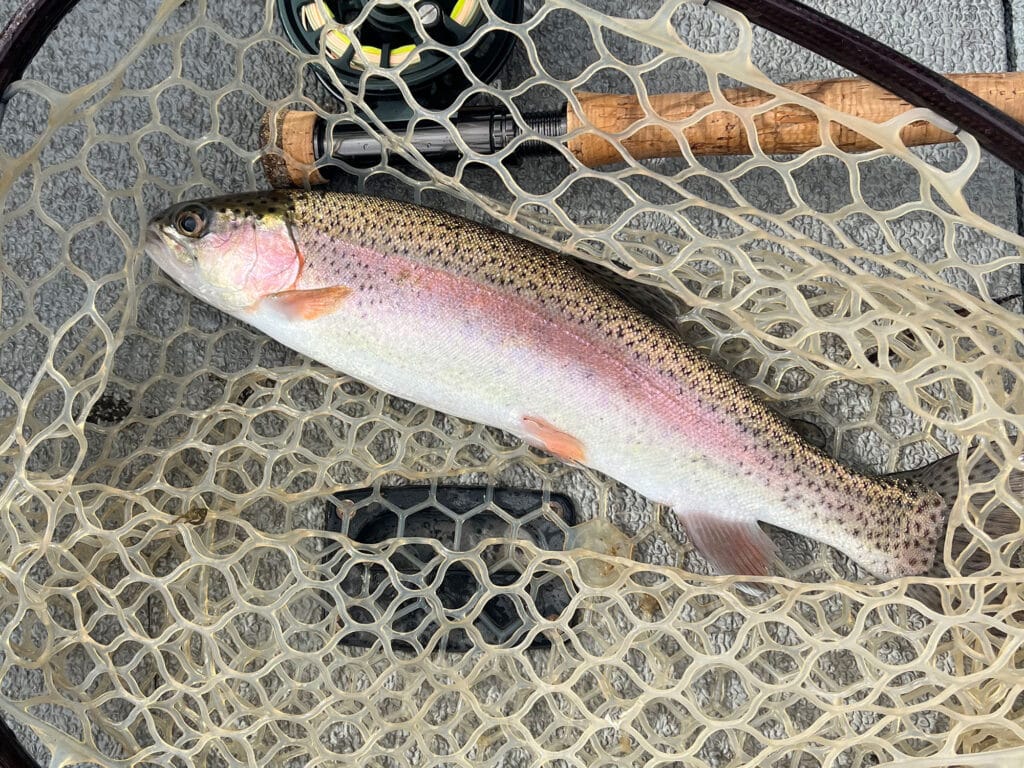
(388, 38)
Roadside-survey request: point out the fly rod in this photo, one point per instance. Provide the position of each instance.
(306, 140)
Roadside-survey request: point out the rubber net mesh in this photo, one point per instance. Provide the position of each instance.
(179, 584)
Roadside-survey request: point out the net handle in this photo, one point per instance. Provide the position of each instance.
(996, 131)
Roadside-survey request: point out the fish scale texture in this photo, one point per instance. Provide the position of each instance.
(169, 595)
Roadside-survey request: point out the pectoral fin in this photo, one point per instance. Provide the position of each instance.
(553, 440)
(731, 546)
(309, 304)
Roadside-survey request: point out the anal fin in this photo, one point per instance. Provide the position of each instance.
(731, 546)
(308, 304)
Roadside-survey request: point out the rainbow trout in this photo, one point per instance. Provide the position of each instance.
(494, 329)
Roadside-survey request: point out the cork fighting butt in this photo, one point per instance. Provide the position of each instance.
(295, 133)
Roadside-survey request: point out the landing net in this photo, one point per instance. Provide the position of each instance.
(170, 591)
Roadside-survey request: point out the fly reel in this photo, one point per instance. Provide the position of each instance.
(388, 38)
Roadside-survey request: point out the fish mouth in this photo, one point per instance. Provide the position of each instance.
(157, 249)
(160, 252)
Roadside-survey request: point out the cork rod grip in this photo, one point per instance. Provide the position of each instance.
(786, 129)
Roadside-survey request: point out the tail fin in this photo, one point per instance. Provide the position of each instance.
(943, 477)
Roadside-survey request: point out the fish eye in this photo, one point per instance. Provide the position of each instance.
(191, 222)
